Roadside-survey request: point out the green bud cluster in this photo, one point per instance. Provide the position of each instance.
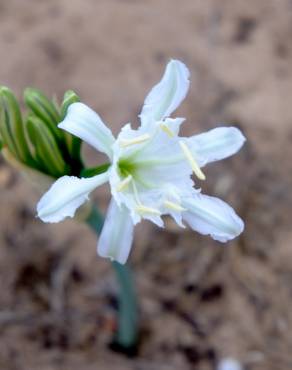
(34, 139)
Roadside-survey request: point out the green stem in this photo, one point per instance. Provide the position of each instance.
(127, 333)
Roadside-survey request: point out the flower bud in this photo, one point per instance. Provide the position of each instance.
(70, 97)
(11, 126)
(73, 143)
(47, 153)
(44, 109)
(40, 181)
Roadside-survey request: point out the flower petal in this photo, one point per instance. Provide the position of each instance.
(216, 144)
(84, 123)
(66, 195)
(171, 126)
(212, 216)
(167, 95)
(116, 237)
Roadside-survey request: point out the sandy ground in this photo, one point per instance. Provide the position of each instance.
(199, 301)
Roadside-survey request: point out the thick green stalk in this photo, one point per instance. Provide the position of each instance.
(127, 332)
(126, 336)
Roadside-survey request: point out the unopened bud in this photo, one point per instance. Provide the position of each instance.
(44, 109)
(47, 152)
(70, 97)
(38, 179)
(11, 126)
(73, 143)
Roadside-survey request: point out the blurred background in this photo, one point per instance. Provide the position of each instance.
(199, 301)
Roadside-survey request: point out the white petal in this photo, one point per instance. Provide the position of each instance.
(116, 237)
(177, 216)
(216, 144)
(167, 95)
(83, 122)
(66, 195)
(171, 126)
(212, 216)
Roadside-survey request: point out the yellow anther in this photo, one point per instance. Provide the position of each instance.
(137, 140)
(174, 206)
(166, 129)
(195, 167)
(147, 210)
(124, 183)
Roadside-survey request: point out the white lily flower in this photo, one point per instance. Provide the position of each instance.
(150, 171)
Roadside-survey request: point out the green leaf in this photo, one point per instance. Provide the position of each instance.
(93, 171)
(47, 152)
(44, 109)
(11, 126)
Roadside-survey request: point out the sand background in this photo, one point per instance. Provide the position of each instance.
(199, 301)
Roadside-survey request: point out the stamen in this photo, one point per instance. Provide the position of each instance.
(124, 183)
(166, 129)
(136, 196)
(137, 140)
(143, 209)
(140, 208)
(195, 167)
(174, 206)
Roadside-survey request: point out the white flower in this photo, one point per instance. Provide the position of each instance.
(150, 172)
